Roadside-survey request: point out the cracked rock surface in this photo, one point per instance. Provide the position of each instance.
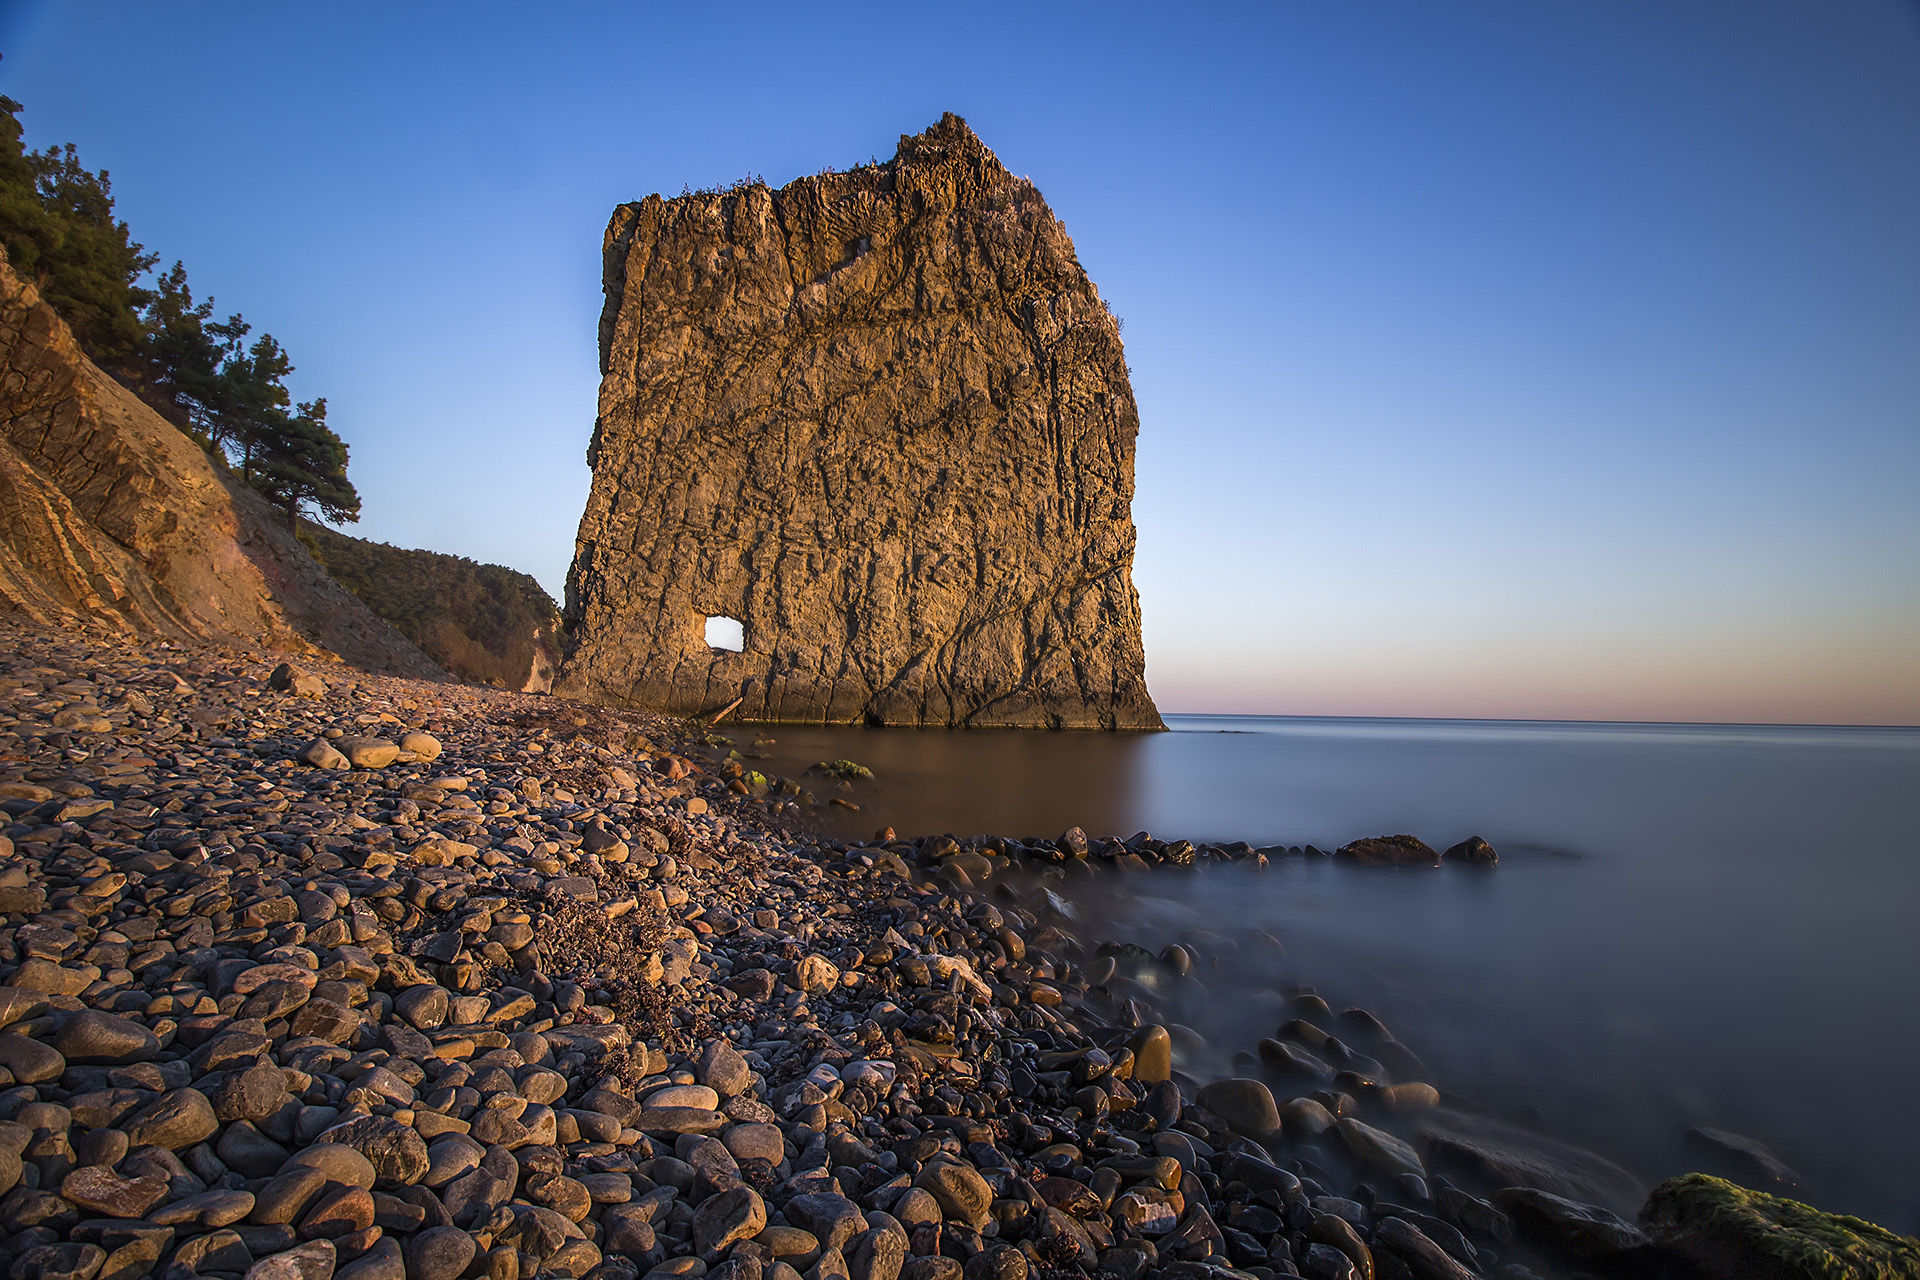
(883, 419)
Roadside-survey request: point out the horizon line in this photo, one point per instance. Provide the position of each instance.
(1696, 724)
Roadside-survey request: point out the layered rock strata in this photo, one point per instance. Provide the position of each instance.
(882, 418)
(110, 517)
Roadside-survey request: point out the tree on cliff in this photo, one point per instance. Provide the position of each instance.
(300, 462)
(288, 454)
(58, 226)
(189, 351)
(56, 219)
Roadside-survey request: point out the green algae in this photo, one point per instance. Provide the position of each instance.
(1730, 1230)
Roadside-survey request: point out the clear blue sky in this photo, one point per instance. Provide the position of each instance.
(1493, 358)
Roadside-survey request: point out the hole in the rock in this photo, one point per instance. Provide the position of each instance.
(726, 634)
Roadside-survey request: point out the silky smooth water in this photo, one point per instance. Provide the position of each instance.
(1690, 924)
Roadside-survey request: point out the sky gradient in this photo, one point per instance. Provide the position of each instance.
(1493, 359)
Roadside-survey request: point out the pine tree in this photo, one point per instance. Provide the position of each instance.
(301, 462)
(187, 350)
(58, 229)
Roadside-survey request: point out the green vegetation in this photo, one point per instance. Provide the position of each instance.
(59, 231)
(481, 622)
(1737, 1231)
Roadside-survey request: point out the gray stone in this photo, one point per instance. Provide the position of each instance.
(396, 1151)
(313, 1260)
(440, 1254)
(831, 1219)
(963, 1195)
(92, 1036)
(176, 1120)
(30, 1061)
(722, 1069)
(737, 1213)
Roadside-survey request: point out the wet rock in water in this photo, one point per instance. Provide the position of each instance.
(1422, 1257)
(1582, 1231)
(1305, 1118)
(1492, 1154)
(1472, 850)
(1742, 1159)
(1152, 1050)
(1402, 851)
(1246, 1105)
(1378, 1149)
(1729, 1231)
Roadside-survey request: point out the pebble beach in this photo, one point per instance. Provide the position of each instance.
(308, 973)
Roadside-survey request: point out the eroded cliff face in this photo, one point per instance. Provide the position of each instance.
(110, 517)
(883, 419)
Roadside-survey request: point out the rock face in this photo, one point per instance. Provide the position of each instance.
(111, 517)
(881, 418)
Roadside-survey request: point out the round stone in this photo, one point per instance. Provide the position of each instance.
(442, 1253)
(396, 1151)
(963, 1195)
(756, 1142)
(737, 1213)
(1246, 1105)
(175, 1121)
(94, 1037)
(339, 1162)
(1152, 1054)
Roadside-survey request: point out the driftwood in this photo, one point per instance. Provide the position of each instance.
(723, 712)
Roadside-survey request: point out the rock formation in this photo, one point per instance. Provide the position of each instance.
(110, 517)
(881, 418)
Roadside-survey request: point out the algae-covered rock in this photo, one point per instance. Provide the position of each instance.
(1730, 1231)
(849, 770)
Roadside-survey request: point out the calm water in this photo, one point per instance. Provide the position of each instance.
(1690, 925)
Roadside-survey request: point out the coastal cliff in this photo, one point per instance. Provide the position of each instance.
(110, 517)
(882, 419)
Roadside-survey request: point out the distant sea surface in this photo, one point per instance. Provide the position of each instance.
(1711, 925)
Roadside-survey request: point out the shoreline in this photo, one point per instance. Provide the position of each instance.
(543, 993)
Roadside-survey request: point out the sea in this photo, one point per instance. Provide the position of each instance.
(1690, 924)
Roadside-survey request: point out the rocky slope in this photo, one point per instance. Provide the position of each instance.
(883, 419)
(482, 622)
(110, 517)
